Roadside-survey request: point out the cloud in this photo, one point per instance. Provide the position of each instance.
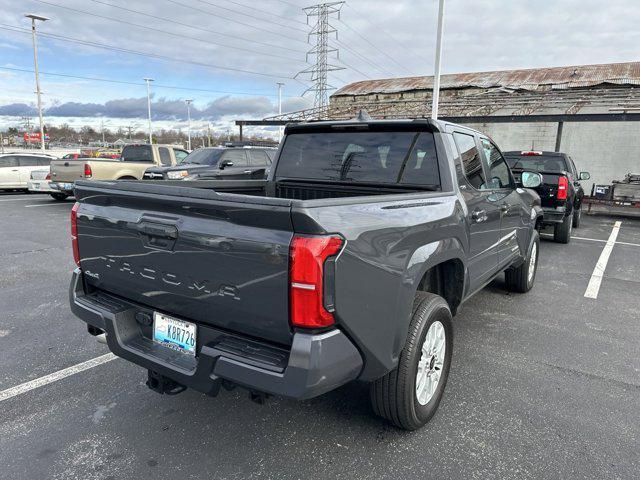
(162, 108)
(17, 110)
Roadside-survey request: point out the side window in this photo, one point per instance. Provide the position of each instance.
(8, 161)
(165, 156)
(499, 173)
(237, 157)
(28, 161)
(44, 161)
(573, 167)
(471, 162)
(180, 154)
(422, 165)
(259, 158)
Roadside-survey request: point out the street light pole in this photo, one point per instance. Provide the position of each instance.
(33, 18)
(280, 84)
(436, 73)
(149, 80)
(188, 101)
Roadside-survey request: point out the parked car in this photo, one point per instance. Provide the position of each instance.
(560, 192)
(16, 168)
(217, 163)
(39, 183)
(348, 263)
(131, 165)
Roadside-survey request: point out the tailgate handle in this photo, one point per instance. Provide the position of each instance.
(158, 230)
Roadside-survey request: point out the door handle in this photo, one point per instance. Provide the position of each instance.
(479, 216)
(247, 171)
(15, 170)
(504, 208)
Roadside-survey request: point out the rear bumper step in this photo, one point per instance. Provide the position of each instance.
(315, 364)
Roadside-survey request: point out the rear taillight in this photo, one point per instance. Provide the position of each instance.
(530, 153)
(307, 280)
(74, 233)
(563, 186)
(87, 171)
(48, 177)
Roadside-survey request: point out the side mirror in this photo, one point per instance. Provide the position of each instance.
(584, 176)
(226, 163)
(531, 179)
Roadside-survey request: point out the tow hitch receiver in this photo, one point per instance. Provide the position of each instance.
(163, 385)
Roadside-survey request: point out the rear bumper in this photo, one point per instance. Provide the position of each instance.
(315, 363)
(39, 186)
(553, 215)
(62, 187)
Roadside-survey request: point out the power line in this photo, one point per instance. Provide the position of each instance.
(165, 32)
(289, 19)
(375, 47)
(195, 27)
(191, 7)
(362, 57)
(250, 16)
(411, 49)
(139, 84)
(138, 53)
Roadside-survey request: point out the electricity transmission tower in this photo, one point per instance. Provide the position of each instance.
(321, 50)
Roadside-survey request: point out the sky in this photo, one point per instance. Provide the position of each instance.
(227, 55)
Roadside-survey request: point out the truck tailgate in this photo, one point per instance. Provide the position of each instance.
(190, 253)
(67, 170)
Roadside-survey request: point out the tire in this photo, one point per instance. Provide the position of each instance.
(577, 216)
(562, 231)
(522, 278)
(394, 396)
(59, 196)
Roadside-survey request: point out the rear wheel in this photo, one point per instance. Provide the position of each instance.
(409, 395)
(562, 231)
(59, 196)
(577, 215)
(521, 279)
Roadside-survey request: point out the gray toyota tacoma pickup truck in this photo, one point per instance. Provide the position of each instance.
(346, 263)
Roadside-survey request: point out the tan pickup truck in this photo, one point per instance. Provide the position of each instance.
(131, 165)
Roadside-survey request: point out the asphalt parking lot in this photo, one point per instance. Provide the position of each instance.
(542, 385)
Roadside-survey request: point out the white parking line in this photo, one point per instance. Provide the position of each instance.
(45, 205)
(598, 272)
(55, 376)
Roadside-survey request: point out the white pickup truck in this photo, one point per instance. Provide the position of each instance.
(131, 165)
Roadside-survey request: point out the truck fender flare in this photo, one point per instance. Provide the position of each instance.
(423, 258)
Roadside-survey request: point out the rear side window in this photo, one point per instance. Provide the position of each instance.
(44, 161)
(137, 153)
(360, 156)
(259, 158)
(8, 161)
(471, 162)
(28, 161)
(421, 167)
(165, 156)
(237, 157)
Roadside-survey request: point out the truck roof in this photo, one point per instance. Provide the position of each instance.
(424, 124)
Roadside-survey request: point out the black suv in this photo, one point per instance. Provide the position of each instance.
(560, 191)
(217, 163)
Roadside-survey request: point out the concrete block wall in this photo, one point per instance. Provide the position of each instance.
(607, 150)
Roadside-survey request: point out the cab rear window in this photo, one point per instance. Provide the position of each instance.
(537, 163)
(407, 158)
(137, 153)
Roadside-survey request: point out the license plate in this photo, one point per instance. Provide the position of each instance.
(174, 333)
(66, 186)
(36, 186)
